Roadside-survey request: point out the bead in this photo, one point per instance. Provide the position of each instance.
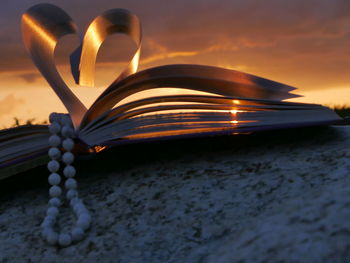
(67, 131)
(52, 211)
(54, 127)
(69, 171)
(73, 201)
(71, 183)
(64, 240)
(54, 179)
(71, 194)
(77, 234)
(53, 117)
(65, 119)
(68, 158)
(54, 153)
(85, 217)
(48, 222)
(79, 208)
(55, 202)
(68, 144)
(81, 211)
(52, 237)
(45, 231)
(83, 222)
(55, 191)
(78, 205)
(53, 166)
(54, 141)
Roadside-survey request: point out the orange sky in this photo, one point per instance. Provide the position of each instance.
(300, 43)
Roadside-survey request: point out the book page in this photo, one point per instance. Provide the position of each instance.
(165, 103)
(153, 125)
(219, 81)
(22, 144)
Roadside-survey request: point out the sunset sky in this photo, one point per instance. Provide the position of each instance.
(303, 43)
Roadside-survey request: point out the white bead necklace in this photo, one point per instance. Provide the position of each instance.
(62, 134)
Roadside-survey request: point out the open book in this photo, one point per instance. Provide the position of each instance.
(223, 102)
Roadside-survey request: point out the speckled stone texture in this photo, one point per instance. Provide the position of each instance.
(268, 198)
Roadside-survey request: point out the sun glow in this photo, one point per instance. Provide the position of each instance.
(234, 112)
(99, 148)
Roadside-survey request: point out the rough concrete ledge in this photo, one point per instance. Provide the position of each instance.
(270, 202)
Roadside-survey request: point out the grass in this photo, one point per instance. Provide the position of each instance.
(343, 111)
(17, 122)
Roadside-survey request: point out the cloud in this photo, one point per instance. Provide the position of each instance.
(303, 43)
(9, 104)
(29, 77)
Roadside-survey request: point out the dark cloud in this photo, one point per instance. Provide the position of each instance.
(29, 77)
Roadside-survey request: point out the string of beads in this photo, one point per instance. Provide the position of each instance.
(62, 135)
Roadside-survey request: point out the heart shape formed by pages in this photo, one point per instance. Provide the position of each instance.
(44, 25)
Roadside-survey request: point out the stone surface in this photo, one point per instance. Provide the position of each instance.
(283, 199)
